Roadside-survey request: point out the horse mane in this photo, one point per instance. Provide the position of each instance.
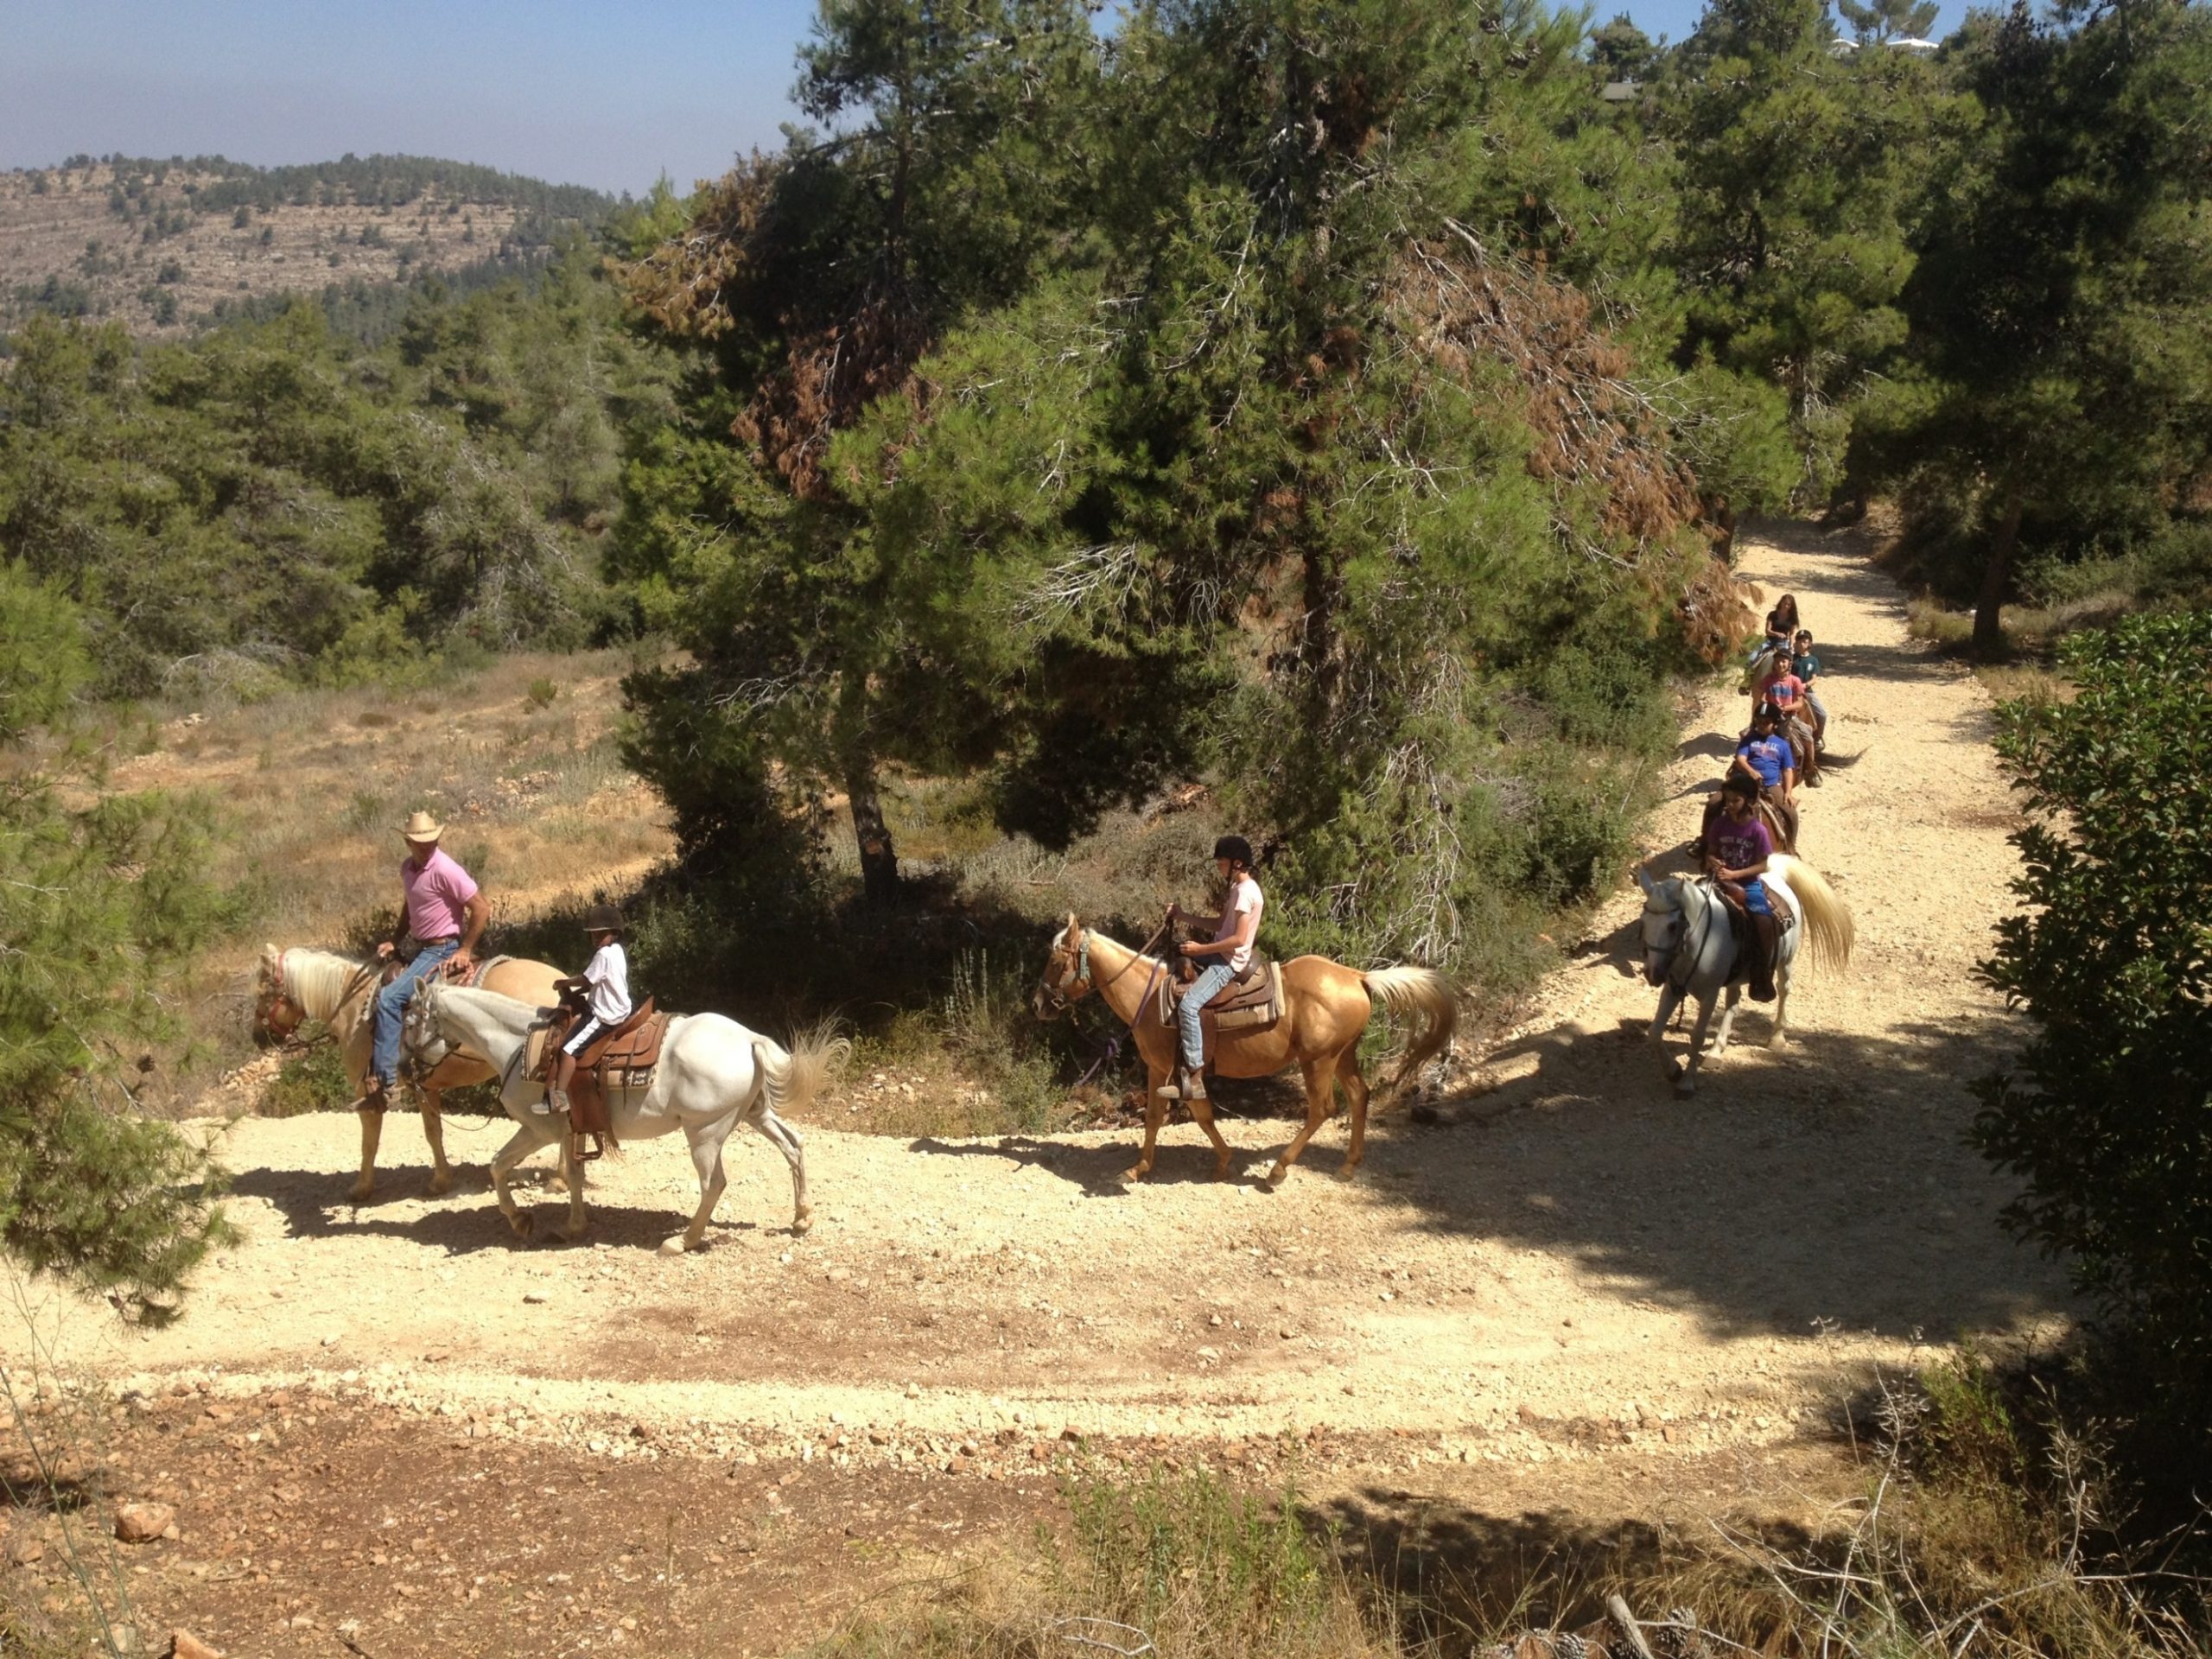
(319, 978)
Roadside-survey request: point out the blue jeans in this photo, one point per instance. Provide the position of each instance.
(391, 1006)
(1203, 990)
(1819, 712)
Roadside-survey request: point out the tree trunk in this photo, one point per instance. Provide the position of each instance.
(879, 858)
(1996, 578)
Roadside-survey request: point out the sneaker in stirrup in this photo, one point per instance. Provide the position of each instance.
(553, 1100)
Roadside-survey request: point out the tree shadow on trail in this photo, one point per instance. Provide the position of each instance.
(1102, 1172)
(1822, 1184)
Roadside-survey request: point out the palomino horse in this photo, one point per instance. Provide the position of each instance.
(1326, 1007)
(294, 986)
(1689, 950)
(712, 1071)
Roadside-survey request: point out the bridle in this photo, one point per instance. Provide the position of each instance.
(1076, 982)
(1683, 960)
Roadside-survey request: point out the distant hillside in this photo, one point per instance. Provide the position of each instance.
(165, 246)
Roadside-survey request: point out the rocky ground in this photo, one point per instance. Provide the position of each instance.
(1565, 1293)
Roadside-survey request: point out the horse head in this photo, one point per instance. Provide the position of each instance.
(1067, 973)
(423, 1043)
(276, 1015)
(1662, 927)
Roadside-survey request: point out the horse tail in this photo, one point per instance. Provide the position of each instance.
(1420, 991)
(1829, 930)
(791, 1077)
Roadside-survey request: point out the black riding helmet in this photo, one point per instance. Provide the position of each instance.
(1234, 848)
(603, 919)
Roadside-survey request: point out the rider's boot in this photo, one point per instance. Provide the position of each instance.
(553, 1100)
(1188, 1083)
(1766, 934)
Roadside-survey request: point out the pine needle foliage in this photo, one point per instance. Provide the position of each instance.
(99, 901)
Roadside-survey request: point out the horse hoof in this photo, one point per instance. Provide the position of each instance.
(1780, 1039)
(1677, 1069)
(1685, 1089)
(1276, 1176)
(674, 1246)
(1135, 1173)
(361, 1192)
(524, 1226)
(441, 1183)
(803, 1221)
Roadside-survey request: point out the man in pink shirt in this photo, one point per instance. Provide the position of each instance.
(441, 916)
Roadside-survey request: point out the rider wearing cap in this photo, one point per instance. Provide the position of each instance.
(1806, 667)
(604, 986)
(441, 916)
(1229, 952)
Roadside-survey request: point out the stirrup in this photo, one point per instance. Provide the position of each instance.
(582, 1153)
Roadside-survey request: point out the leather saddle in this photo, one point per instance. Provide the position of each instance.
(621, 1059)
(1253, 999)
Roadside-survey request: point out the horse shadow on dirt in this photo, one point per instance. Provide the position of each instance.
(464, 1222)
(1101, 1172)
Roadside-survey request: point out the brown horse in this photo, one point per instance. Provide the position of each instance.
(291, 987)
(1326, 1007)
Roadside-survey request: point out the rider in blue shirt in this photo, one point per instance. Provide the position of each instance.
(1765, 760)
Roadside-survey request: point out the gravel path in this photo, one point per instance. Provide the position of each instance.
(1574, 1267)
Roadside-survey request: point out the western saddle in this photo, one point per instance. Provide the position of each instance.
(1250, 1001)
(618, 1059)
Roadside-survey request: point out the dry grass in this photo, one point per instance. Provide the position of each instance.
(1966, 1543)
(316, 783)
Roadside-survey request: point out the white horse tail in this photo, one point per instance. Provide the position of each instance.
(792, 1077)
(1420, 991)
(1829, 930)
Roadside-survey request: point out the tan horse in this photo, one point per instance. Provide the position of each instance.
(1327, 1006)
(291, 987)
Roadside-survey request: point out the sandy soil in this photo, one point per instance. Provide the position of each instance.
(1572, 1287)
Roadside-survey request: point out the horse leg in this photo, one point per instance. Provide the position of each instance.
(524, 1142)
(1781, 1038)
(706, 1159)
(1670, 1000)
(1155, 1113)
(371, 1133)
(1347, 1074)
(434, 1131)
(1202, 1114)
(577, 1221)
(1735, 995)
(785, 1140)
(1685, 1070)
(1320, 1094)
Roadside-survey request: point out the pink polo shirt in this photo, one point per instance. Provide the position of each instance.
(437, 896)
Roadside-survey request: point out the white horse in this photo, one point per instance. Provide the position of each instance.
(1689, 950)
(712, 1071)
(295, 986)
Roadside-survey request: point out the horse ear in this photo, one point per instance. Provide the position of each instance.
(1644, 879)
(1075, 928)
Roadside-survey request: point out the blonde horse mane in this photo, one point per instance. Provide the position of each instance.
(318, 980)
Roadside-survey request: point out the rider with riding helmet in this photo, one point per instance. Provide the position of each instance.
(441, 916)
(1737, 847)
(1806, 667)
(1230, 950)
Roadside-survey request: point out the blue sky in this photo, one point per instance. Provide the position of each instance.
(586, 92)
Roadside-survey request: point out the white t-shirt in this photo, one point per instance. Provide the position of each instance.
(608, 976)
(1242, 897)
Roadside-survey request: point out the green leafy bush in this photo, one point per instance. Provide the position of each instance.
(2108, 1115)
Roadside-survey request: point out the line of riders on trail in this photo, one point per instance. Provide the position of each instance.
(599, 1066)
(1755, 815)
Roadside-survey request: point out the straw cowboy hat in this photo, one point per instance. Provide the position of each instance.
(423, 826)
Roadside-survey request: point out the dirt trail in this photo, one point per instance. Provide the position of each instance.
(1582, 1269)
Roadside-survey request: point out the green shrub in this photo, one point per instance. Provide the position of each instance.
(2107, 1117)
(542, 692)
(312, 1080)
